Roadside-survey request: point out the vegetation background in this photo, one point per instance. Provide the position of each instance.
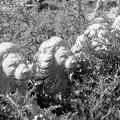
(94, 95)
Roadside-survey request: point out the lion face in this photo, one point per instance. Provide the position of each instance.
(70, 63)
(23, 71)
(64, 57)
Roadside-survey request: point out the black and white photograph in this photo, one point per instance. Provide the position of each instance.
(59, 59)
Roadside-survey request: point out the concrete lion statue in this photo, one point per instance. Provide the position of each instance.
(93, 39)
(54, 58)
(13, 66)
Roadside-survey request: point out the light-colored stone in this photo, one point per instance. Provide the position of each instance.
(53, 58)
(14, 66)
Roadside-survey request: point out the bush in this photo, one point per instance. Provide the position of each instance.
(94, 89)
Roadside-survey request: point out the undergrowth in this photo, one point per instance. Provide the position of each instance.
(93, 92)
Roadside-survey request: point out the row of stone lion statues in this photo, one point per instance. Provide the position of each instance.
(53, 59)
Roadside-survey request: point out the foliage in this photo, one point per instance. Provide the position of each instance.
(94, 88)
